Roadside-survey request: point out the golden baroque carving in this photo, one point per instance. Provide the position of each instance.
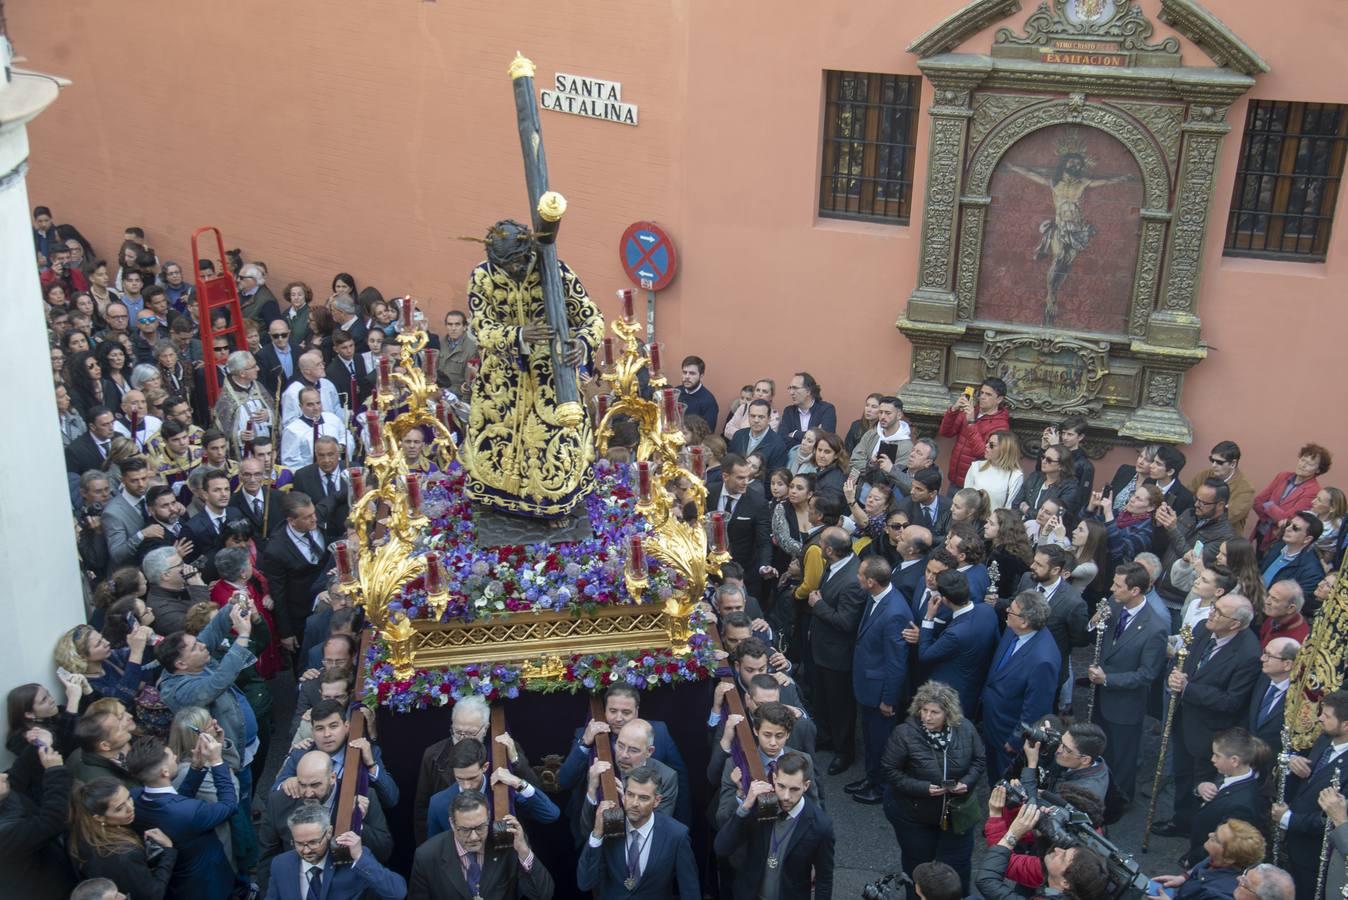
(1191, 221)
(927, 363)
(991, 109)
(1164, 121)
(1031, 385)
(1162, 388)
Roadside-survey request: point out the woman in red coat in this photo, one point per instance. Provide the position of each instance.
(1289, 493)
(970, 422)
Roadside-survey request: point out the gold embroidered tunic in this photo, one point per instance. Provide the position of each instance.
(519, 458)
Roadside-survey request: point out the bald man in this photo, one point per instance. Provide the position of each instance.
(135, 408)
(310, 375)
(634, 747)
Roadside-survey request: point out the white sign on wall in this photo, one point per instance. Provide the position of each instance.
(591, 97)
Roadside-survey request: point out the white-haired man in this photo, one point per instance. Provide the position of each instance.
(243, 410)
(259, 303)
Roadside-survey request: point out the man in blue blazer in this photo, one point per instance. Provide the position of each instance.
(783, 858)
(759, 438)
(807, 410)
(1023, 680)
(468, 762)
(653, 852)
(1294, 558)
(879, 666)
(622, 704)
(202, 870)
(957, 638)
(966, 545)
(1301, 817)
(329, 721)
(309, 870)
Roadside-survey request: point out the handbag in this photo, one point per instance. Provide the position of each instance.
(965, 813)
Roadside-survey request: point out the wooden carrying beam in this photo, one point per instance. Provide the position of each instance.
(500, 793)
(608, 782)
(353, 768)
(767, 807)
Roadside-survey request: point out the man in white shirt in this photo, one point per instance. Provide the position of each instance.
(301, 432)
(134, 411)
(310, 376)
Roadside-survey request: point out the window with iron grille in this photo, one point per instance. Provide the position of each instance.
(870, 123)
(1291, 163)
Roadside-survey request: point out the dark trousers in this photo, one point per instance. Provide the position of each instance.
(998, 758)
(1302, 861)
(1123, 747)
(928, 843)
(836, 708)
(875, 729)
(1189, 771)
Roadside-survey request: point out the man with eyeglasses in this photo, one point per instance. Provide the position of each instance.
(1213, 692)
(1268, 699)
(175, 587)
(1267, 882)
(1294, 556)
(1179, 531)
(486, 872)
(257, 300)
(1023, 680)
(278, 359)
(243, 410)
(118, 317)
(469, 721)
(1224, 465)
(309, 870)
(317, 790)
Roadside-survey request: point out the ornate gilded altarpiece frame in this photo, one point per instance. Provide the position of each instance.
(1084, 77)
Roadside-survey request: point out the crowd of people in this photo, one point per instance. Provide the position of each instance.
(920, 615)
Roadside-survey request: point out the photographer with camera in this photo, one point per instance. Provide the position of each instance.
(1078, 759)
(175, 587)
(1073, 871)
(1026, 866)
(95, 492)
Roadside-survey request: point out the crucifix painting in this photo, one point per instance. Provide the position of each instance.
(1061, 240)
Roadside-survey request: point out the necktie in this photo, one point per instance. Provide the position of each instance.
(315, 884)
(1207, 654)
(1010, 651)
(729, 505)
(332, 485)
(144, 513)
(257, 509)
(314, 547)
(1270, 699)
(771, 770)
(103, 447)
(928, 517)
(634, 857)
(1120, 628)
(1323, 760)
(1040, 589)
(474, 875)
(219, 522)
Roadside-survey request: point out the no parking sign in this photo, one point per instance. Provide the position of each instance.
(648, 256)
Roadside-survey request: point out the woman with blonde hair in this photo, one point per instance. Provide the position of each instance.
(189, 723)
(1232, 847)
(1329, 506)
(119, 451)
(932, 765)
(972, 506)
(104, 845)
(998, 473)
(112, 673)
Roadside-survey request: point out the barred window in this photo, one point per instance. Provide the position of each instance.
(1291, 163)
(870, 123)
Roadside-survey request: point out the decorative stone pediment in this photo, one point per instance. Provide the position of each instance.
(1069, 180)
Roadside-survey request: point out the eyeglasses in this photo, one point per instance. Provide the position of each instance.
(277, 334)
(146, 320)
(1218, 461)
(469, 832)
(312, 845)
(896, 526)
(1012, 612)
(464, 734)
(1221, 615)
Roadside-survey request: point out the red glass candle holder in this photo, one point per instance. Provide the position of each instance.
(653, 353)
(628, 297)
(356, 479)
(430, 359)
(644, 481)
(374, 427)
(414, 493)
(636, 556)
(669, 399)
(435, 574)
(718, 532)
(697, 460)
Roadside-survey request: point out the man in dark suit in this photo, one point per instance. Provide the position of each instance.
(758, 437)
(324, 482)
(1132, 657)
(966, 545)
(781, 859)
(278, 360)
(1023, 679)
(835, 610)
(762, 688)
(879, 668)
(202, 870)
(343, 308)
(914, 543)
(1214, 695)
(89, 450)
(126, 518)
(696, 398)
(347, 370)
(1067, 609)
(748, 525)
(1268, 697)
(205, 528)
(1165, 471)
(653, 853)
(312, 864)
(1300, 817)
(1294, 558)
(483, 871)
(256, 501)
(807, 410)
(1236, 794)
(292, 561)
(468, 763)
(331, 730)
(926, 506)
(957, 638)
(773, 724)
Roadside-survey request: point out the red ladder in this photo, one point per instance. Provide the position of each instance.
(215, 293)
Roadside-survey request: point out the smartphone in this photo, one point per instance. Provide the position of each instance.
(1198, 550)
(969, 392)
(63, 673)
(131, 621)
(949, 784)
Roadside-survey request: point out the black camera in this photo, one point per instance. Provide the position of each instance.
(893, 886)
(1047, 738)
(1063, 826)
(91, 511)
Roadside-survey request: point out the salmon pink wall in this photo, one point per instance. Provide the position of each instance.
(324, 135)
